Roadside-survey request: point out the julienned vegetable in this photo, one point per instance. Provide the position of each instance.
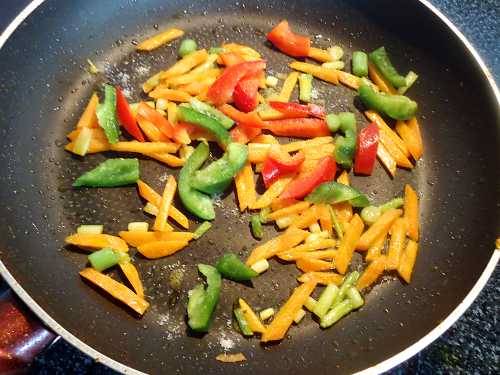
(192, 116)
(217, 176)
(398, 107)
(366, 149)
(381, 60)
(360, 64)
(256, 225)
(195, 202)
(110, 173)
(283, 38)
(231, 267)
(242, 322)
(370, 214)
(345, 145)
(106, 115)
(305, 87)
(334, 192)
(203, 301)
(106, 258)
(210, 111)
(126, 117)
(202, 229)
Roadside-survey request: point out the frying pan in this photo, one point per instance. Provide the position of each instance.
(43, 88)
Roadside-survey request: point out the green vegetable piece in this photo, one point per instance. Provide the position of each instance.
(325, 300)
(202, 229)
(110, 173)
(370, 214)
(232, 268)
(349, 280)
(334, 192)
(256, 226)
(216, 50)
(305, 87)
(263, 214)
(106, 115)
(213, 112)
(187, 46)
(381, 60)
(360, 64)
(355, 297)
(203, 301)
(333, 122)
(106, 258)
(242, 322)
(217, 176)
(195, 202)
(337, 225)
(411, 78)
(336, 313)
(345, 146)
(398, 107)
(192, 116)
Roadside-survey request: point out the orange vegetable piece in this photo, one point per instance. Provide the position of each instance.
(166, 201)
(407, 262)
(289, 210)
(411, 212)
(318, 254)
(159, 249)
(96, 241)
(245, 187)
(396, 243)
(139, 238)
(284, 318)
(375, 249)
(415, 128)
(383, 127)
(132, 275)
(409, 139)
(323, 278)
(319, 54)
(270, 194)
(325, 219)
(308, 217)
(371, 273)
(348, 243)
(168, 159)
(116, 289)
(252, 319)
(89, 117)
(382, 225)
(311, 265)
(379, 80)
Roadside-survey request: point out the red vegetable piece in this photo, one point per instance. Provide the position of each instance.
(156, 119)
(297, 110)
(126, 117)
(279, 164)
(283, 38)
(366, 149)
(221, 91)
(245, 93)
(298, 127)
(304, 184)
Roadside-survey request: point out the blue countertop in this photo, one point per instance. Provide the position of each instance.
(471, 345)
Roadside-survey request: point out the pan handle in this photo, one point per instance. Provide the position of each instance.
(22, 335)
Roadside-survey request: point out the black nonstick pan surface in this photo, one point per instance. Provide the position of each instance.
(44, 87)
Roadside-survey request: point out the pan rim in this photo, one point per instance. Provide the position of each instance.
(383, 366)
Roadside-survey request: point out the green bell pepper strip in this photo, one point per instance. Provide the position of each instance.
(197, 203)
(106, 115)
(106, 258)
(398, 107)
(213, 112)
(202, 229)
(381, 60)
(217, 176)
(370, 214)
(360, 64)
(256, 226)
(334, 192)
(203, 301)
(192, 116)
(232, 268)
(305, 87)
(110, 173)
(345, 146)
(242, 322)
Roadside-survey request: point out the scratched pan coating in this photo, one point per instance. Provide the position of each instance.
(43, 90)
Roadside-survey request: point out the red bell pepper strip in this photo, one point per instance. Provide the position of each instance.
(126, 117)
(297, 110)
(283, 38)
(247, 120)
(231, 58)
(278, 165)
(221, 91)
(304, 184)
(366, 149)
(156, 119)
(245, 93)
(244, 135)
(298, 127)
